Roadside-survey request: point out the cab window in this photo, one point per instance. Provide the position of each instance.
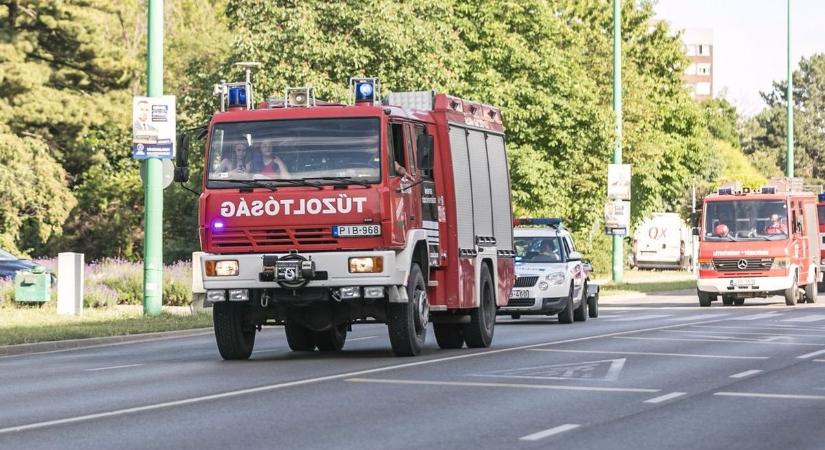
(395, 148)
(410, 150)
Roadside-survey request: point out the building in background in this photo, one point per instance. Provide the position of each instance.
(698, 44)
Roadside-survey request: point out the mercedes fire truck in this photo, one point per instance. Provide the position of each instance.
(320, 215)
(756, 243)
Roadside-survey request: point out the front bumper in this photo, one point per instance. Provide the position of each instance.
(739, 285)
(334, 264)
(538, 301)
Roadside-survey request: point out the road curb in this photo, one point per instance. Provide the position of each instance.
(73, 344)
(645, 295)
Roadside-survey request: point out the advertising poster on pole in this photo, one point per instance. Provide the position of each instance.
(616, 217)
(153, 127)
(618, 181)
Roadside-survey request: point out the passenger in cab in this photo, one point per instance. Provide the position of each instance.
(271, 164)
(776, 226)
(721, 230)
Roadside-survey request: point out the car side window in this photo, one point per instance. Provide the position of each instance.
(566, 247)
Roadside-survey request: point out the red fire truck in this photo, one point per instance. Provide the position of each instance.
(317, 216)
(756, 243)
(820, 208)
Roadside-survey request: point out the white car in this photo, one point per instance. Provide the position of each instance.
(550, 275)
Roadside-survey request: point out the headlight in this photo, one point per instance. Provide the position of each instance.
(706, 264)
(543, 286)
(780, 263)
(555, 278)
(225, 268)
(369, 264)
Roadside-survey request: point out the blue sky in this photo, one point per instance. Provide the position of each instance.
(750, 40)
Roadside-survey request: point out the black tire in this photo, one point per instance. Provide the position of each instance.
(704, 298)
(479, 332)
(449, 335)
(791, 293)
(811, 291)
(580, 313)
(593, 306)
(332, 339)
(566, 315)
(299, 337)
(407, 333)
(235, 337)
(727, 300)
(738, 301)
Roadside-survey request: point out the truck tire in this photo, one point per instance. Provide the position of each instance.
(727, 300)
(580, 313)
(566, 315)
(407, 333)
(811, 290)
(299, 337)
(448, 335)
(479, 332)
(791, 293)
(331, 340)
(704, 298)
(593, 306)
(234, 336)
(738, 301)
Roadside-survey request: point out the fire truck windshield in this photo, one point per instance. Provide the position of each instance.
(738, 220)
(308, 151)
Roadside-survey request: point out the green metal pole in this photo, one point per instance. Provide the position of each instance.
(153, 182)
(789, 169)
(618, 247)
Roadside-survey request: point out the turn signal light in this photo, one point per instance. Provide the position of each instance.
(225, 268)
(368, 264)
(780, 263)
(706, 264)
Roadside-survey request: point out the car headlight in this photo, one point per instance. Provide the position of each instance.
(224, 268)
(706, 264)
(367, 264)
(555, 278)
(543, 286)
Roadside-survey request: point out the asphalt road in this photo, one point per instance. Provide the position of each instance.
(657, 372)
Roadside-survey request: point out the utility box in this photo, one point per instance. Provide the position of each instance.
(33, 285)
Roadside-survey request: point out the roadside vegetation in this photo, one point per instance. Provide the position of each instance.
(648, 282)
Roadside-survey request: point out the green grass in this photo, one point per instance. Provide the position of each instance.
(28, 324)
(643, 282)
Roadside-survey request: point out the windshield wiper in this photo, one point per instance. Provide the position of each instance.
(254, 183)
(297, 182)
(343, 179)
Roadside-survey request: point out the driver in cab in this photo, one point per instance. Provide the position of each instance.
(776, 226)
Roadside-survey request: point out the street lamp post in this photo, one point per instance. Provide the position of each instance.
(618, 247)
(789, 95)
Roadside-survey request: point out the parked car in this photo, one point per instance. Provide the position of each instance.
(10, 264)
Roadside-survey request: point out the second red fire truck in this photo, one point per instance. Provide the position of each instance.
(318, 216)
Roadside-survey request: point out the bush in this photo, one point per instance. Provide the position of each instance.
(6, 292)
(177, 284)
(124, 277)
(100, 296)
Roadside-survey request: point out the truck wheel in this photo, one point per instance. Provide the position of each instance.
(407, 322)
(580, 313)
(791, 293)
(811, 292)
(566, 315)
(331, 340)
(299, 337)
(738, 301)
(448, 335)
(593, 306)
(704, 298)
(727, 300)
(234, 336)
(479, 332)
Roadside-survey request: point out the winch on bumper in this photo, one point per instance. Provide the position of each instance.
(350, 274)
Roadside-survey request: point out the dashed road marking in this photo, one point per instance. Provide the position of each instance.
(808, 318)
(746, 373)
(703, 316)
(811, 355)
(558, 387)
(664, 398)
(686, 355)
(112, 367)
(713, 340)
(767, 315)
(762, 395)
(549, 432)
(642, 317)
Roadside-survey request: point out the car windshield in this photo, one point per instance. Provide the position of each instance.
(737, 220)
(538, 249)
(285, 151)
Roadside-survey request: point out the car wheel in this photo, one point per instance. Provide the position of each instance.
(566, 315)
(593, 306)
(580, 313)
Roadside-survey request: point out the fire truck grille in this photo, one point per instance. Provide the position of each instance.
(521, 302)
(274, 237)
(526, 281)
(742, 264)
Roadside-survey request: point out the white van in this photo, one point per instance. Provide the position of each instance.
(663, 241)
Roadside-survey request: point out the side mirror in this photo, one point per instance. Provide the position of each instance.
(696, 231)
(574, 256)
(182, 158)
(424, 144)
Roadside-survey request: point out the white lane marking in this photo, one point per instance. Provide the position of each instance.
(761, 395)
(746, 373)
(819, 360)
(703, 316)
(557, 387)
(112, 367)
(687, 355)
(808, 318)
(712, 340)
(664, 398)
(642, 317)
(776, 334)
(361, 338)
(271, 387)
(776, 328)
(605, 370)
(811, 355)
(767, 315)
(549, 432)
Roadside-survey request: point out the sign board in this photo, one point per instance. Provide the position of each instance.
(168, 172)
(618, 181)
(616, 217)
(153, 127)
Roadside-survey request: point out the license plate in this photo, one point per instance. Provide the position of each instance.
(519, 293)
(744, 282)
(356, 230)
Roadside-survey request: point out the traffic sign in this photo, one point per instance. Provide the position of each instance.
(168, 172)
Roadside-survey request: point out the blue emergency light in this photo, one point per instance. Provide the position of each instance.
(217, 225)
(821, 197)
(237, 96)
(365, 91)
(769, 190)
(725, 191)
(550, 221)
